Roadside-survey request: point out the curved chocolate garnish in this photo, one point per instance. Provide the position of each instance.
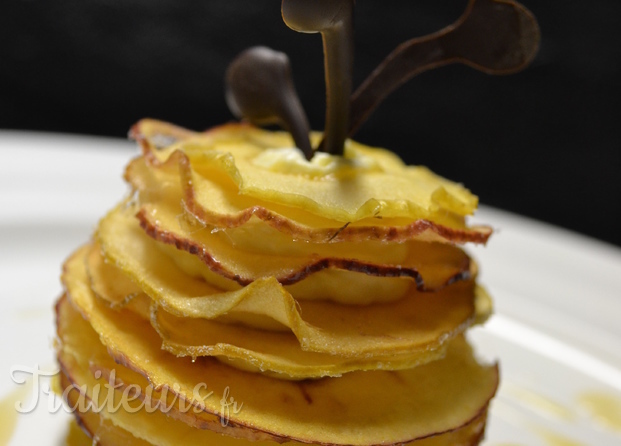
(333, 19)
(493, 36)
(259, 88)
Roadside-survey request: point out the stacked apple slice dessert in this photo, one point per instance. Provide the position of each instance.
(243, 293)
(274, 287)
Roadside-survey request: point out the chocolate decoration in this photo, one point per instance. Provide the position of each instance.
(259, 88)
(333, 19)
(493, 36)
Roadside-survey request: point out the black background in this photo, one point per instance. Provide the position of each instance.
(544, 143)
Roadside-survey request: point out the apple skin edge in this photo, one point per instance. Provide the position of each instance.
(149, 133)
(474, 426)
(465, 272)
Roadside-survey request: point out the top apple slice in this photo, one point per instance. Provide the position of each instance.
(234, 172)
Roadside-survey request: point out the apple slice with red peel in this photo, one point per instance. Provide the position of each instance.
(92, 427)
(430, 266)
(241, 255)
(213, 201)
(193, 320)
(228, 209)
(126, 427)
(441, 397)
(351, 274)
(107, 282)
(435, 211)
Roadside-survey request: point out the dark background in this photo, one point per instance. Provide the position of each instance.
(544, 143)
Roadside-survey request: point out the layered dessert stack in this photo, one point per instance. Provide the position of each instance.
(237, 272)
(248, 291)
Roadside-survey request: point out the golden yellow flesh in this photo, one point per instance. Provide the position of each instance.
(330, 339)
(430, 265)
(160, 204)
(434, 264)
(390, 190)
(235, 256)
(97, 427)
(76, 436)
(128, 428)
(138, 258)
(361, 408)
(228, 209)
(414, 324)
(107, 281)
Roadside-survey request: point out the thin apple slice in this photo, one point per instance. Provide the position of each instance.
(392, 344)
(338, 339)
(430, 265)
(158, 134)
(364, 183)
(80, 436)
(96, 428)
(385, 326)
(393, 408)
(111, 286)
(107, 282)
(411, 328)
(213, 197)
(271, 253)
(149, 275)
(128, 428)
(151, 272)
(362, 279)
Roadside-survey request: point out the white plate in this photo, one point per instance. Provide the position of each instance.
(556, 330)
